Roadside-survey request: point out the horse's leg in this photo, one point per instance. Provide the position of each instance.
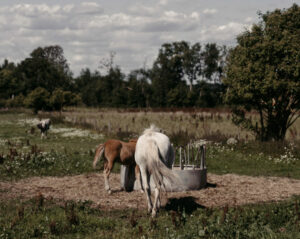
(107, 169)
(146, 187)
(138, 177)
(156, 200)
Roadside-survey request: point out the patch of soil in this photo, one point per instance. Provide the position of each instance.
(229, 189)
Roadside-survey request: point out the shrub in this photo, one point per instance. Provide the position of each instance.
(38, 99)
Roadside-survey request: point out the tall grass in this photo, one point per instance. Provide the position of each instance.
(210, 124)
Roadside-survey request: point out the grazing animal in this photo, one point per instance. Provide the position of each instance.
(116, 151)
(44, 126)
(154, 155)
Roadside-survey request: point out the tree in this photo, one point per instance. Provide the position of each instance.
(38, 99)
(53, 54)
(214, 60)
(192, 62)
(138, 88)
(46, 68)
(10, 85)
(167, 72)
(86, 85)
(263, 74)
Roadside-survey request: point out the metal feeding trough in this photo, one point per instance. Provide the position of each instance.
(189, 166)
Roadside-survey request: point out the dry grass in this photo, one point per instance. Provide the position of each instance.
(211, 124)
(201, 124)
(229, 189)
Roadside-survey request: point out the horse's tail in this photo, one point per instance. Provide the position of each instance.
(98, 154)
(159, 170)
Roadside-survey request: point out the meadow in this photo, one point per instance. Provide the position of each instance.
(69, 150)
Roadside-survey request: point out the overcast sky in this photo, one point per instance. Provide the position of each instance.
(134, 30)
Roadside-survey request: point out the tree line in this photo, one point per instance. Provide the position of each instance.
(261, 74)
(183, 75)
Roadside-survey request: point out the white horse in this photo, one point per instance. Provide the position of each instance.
(154, 155)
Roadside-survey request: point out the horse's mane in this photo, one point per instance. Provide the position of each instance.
(152, 129)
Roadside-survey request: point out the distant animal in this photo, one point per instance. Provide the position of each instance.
(154, 155)
(44, 126)
(116, 151)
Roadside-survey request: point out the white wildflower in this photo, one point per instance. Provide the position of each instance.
(231, 141)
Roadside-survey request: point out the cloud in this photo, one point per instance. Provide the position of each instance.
(88, 8)
(171, 21)
(142, 10)
(210, 11)
(163, 2)
(135, 30)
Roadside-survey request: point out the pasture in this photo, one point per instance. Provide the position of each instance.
(49, 189)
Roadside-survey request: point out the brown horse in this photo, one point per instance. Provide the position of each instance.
(116, 151)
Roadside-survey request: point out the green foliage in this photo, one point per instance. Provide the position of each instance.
(17, 101)
(263, 74)
(10, 85)
(60, 98)
(167, 72)
(165, 84)
(23, 163)
(41, 217)
(254, 159)
(38, 99)
(46, 68)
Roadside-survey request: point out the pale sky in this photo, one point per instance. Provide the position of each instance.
(89, 30)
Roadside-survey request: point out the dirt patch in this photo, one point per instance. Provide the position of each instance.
(229, 189)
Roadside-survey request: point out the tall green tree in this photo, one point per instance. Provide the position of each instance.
(192, 62)
(10, 85)
(263, 74)
(213, 62)
(86, 85)
(47, 68)
(138, 89)
(167, 71)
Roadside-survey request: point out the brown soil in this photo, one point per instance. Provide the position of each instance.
(229, 189)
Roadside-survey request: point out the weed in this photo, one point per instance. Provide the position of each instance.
(132, 220)
(53, 228)
(71, 216)
(39, 201)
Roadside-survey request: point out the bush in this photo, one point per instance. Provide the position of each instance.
(38, 99)
(60, 98)
(17, 101)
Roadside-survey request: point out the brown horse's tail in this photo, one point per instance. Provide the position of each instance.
(98, 155)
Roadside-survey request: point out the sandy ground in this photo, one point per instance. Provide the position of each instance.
(223, 190)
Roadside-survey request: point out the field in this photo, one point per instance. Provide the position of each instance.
(48, 188)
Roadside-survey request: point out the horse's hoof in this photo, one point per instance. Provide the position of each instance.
(109, 192)
(153, 214)
(141, 191)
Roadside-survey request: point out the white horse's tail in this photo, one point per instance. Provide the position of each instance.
(159, 170)
(98, 154)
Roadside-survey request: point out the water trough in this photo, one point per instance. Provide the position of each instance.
(189, 165)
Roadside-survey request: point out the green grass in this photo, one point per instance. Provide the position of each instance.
(248, 160)
(41, 218)
(24, 154)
